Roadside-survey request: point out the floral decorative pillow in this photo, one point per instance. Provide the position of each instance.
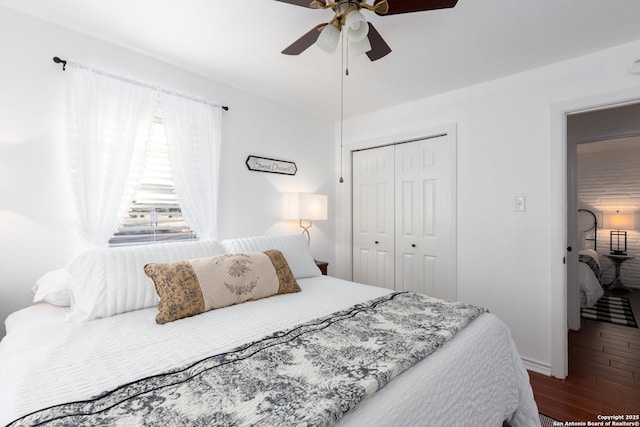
(191, 287)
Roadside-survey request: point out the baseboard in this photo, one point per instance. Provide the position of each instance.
(536, 366)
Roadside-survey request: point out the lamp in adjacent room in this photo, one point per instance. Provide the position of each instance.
(305, 207)
(618, 223)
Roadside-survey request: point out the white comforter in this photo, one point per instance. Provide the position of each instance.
(475, 379)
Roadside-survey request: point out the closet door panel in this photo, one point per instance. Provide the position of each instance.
(373, 217)
(424, 167)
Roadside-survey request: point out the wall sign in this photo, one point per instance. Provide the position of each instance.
(262, 164)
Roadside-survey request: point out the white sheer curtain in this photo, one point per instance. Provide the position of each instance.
(193, 136)
(105, 117)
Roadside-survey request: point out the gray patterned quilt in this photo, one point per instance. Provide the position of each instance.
(309, 375)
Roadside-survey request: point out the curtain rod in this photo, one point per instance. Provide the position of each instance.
(58, 60)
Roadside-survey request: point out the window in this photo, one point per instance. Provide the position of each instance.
(154, 214)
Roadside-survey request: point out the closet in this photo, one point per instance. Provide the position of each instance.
(404, 217)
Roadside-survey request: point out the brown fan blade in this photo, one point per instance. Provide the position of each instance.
(303, 3)
(304, 42)
(379, 47)
(409, 6)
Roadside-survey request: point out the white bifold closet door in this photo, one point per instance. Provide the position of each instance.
(373, 217)
(404, 217)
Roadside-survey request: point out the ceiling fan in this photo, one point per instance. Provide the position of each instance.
(362, 35)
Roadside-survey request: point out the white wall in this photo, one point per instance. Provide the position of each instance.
(504, 136)
(36, 232)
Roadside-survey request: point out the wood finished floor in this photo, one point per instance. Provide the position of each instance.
(604, 372)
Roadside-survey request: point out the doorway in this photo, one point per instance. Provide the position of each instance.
(562, 154)
(612, 130)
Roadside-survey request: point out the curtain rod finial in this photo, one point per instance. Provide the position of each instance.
(57, 60)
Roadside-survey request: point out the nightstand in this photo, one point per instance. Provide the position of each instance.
(617, 261)
(322, 265)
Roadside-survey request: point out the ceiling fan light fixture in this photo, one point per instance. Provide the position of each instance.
(356, 26)
(358, 48)
(328, 39)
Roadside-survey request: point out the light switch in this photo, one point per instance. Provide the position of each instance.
(520, 204)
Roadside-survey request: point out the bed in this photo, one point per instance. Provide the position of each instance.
(589, 268)
(51, 357)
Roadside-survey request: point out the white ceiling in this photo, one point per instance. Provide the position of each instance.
(611, 123)
(238, 42)
(629, 145)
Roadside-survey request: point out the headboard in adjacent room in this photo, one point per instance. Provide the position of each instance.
(588, 228)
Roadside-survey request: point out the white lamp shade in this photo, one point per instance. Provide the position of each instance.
(356, 26)
(619, 221)
(328, 39)
(305, 206)
(358, 48)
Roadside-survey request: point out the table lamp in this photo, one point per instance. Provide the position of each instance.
(305, 207)
(618, 223)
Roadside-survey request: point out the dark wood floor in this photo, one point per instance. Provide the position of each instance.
(604, 372)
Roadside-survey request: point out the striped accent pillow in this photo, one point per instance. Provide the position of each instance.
(191, 287)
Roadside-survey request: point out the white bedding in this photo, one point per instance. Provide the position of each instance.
(589, 285)
(475, 379)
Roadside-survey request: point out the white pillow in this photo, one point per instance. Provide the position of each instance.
(53, 287)
(110, 281)
(294, 247)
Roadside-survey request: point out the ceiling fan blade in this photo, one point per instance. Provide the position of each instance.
(303, 3)
(409, 6)
(379, 47)
(304, 42)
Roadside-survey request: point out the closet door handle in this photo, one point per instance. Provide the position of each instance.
(376, 242)
(569, 249)
(413, 245)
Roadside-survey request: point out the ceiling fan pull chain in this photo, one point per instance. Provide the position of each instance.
(341, 180)
(345, 55)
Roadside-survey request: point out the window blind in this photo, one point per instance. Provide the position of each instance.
(154, 214)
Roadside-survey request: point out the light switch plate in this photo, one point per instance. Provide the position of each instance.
(520, 204)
